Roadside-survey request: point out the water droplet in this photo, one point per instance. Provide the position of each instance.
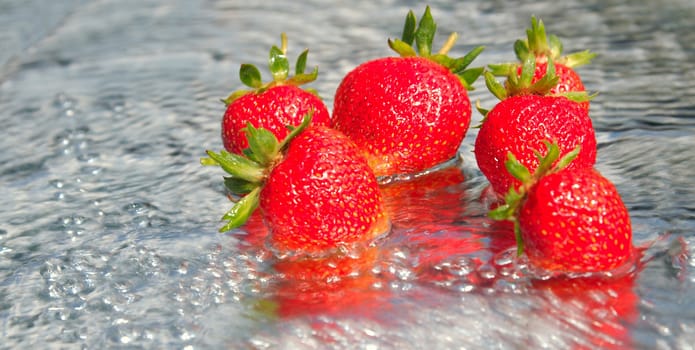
(63, 101)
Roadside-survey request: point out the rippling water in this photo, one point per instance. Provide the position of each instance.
(108, 223)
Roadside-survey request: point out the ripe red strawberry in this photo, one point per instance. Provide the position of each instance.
(411, 112)
(315, 189)
(546, 49)
(520, 123)
(272, 105)
(567, 220)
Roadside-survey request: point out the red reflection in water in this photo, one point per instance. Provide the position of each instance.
(434, 198)
(604, 308)
(336, 286)
(443, 246)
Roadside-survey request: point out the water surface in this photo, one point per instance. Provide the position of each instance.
(108, 224)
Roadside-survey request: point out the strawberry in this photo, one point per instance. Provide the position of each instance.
(315, 189)
(526, 116)
(411, 112)
(547, 49)
(271, 105)
(567, 220)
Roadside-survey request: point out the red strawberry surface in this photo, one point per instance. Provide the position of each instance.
(322, 193)
(520, 124)
(272, 105)
(411, 112)
(272, 109)
(575, 220)
(567, 220)
(315, 189)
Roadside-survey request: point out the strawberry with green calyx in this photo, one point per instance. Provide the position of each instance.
(315, 189)
(271, 105)
(546, 50)
(571, 221)
(523, 119)
(411, 112)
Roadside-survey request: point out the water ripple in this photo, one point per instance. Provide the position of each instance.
(108, 229)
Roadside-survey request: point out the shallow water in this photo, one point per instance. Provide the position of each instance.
(108, 224)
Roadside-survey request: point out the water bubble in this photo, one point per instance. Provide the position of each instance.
(487, 271)
(69, 112)
(138, 207)
(183, 268)
(89, 157)
(57, 183)
(63, 101)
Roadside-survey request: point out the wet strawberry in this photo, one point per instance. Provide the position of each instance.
(411, 112)
(272, 105)
(525, 117)
(315, 189)
(546, 49)
(576, 221)
(567, 220)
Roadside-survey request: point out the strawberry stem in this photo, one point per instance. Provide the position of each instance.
(283, 43)
(448, 44)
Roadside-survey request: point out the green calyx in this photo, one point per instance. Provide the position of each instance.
(279, 67)
(247, 173)
(522, 84)
(422, 35)
(543, 47)
(539, 44)
(547, 164)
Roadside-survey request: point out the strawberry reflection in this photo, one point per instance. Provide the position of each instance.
(338, 286)
(597, 310)
(436, 197)
(600, 309)
(442, 245)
